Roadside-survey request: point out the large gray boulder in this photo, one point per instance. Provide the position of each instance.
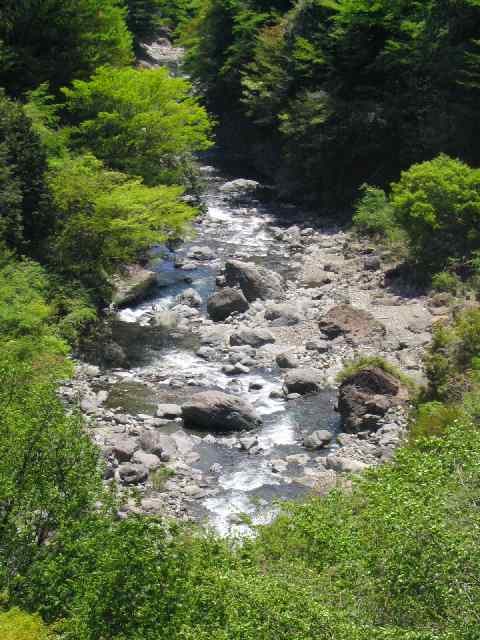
(217, 411)
(304, 380)
(241, 190)
(255, 282)
(160, 444)
(351, 322)
(123, 448)
(227, 301)
(251, 337)
(318, 439)
(132, 473)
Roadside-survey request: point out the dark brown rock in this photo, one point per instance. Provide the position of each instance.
(217, 411)
(348, 321)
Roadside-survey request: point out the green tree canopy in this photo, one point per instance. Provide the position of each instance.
(142, 122)
(57, 40)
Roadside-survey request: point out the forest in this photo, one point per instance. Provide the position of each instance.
(363, 111)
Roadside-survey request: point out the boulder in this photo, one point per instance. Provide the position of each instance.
(169, 411)
(240, 190)
(318, 439)
(132, 473)
(284, 315)
(227, 301)
(304, 380)
(255, 282)
(160, 444)
(164, 320)
(217, 411)
(314, 276)
(133, 285)
(372, 263)
(148, 460)
(320, 346)
(345, 465)
(200, 253)
(345, 320)
(189, 298)
(366, 396)
(123, 448)
(251, 337)
(287, 361)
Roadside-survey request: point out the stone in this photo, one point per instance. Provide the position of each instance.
(169, 411)
(251, 337)
(255, 282)
(217, 411)
(304, 380)
(320, 346)
(345, 320)
(149, 460)
(190, 298)
(132, 473)
(160, 444)
(183, 441)
(314, 276)
(123, 448)
(287, 361)
(372, 263)
(113, 355)
(345, 465)
(246, 444)
(201, 253)
(240, 190)
(318, 439)
(284, 315)
(133, 285)
(366, 396)
(164, 320)
(227, 301)
(206, 353)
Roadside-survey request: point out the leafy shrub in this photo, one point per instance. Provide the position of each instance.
(453, 356)
(446, 282)
(142, 122)
(433, 419)
(374, 213)
(17, 625)
(438, 205)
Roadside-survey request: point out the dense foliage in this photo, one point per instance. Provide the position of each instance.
(141, 122)
(59, 40)
(335, 94)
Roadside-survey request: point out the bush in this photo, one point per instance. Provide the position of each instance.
(433, 419)
(446, 282)
(452, 360)
(17, 625)
(142, 122)
(438, 205)
(374, 213)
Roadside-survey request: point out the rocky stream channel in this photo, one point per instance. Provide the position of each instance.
(224, 395)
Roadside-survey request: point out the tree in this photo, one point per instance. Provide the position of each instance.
(25, 202)
(142, 122)
(57, 40)
(107, 220)
(48, 468)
